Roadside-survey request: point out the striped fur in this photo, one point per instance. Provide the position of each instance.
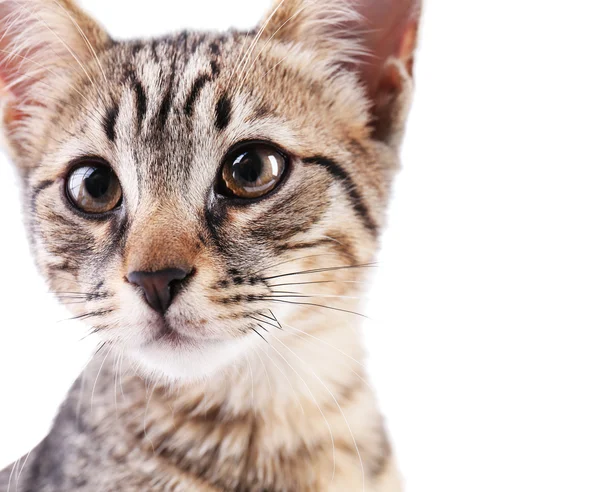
(263, 387)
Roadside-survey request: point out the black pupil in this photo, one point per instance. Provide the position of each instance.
(98, 182)
(248, 167)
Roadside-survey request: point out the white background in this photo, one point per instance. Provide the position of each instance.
(485, 349)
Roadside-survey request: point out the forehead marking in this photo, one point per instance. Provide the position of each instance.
(110, 120)
(141, 101)
(165, 107)
(198, 85)
(223, 112)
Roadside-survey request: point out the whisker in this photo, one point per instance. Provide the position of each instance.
(258, 333)
(318, 282)
(286, 378)
(252, 384)
(339, 408)
(266, 372)
(306, 294)
(75, 57)
(146, 416)
(316, 403)
(276, 320)
(267, 43)
(93, 314)
(85, 38)
(367, 383)
(262, 321)
(94, 331)
(275, 66)
(101, 347)
(98, 376)
(50, 71)
(290, 261)
(322, 270)
(325, 343)
(244, 60)
(121, 373)
(78, 107)
(22, 468)
(12, 471)
(83, 378)
(115, 371)
(315, 305)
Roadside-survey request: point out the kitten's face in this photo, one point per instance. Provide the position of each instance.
(184, 193)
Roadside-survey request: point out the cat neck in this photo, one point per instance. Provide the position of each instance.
(297, 399)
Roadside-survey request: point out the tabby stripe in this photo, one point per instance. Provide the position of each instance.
(110, 120)
(214, 48)
(198, 85)
(141, 101)
(215, 69)
(165, 107)
(223, 112)
(345, 180)
(37, 190)
(153, 47)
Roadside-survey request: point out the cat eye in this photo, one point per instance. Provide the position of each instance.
(93, 187)
(252, 170)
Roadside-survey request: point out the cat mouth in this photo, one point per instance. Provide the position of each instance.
(168, 334)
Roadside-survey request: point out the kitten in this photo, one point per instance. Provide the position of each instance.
(209, 204)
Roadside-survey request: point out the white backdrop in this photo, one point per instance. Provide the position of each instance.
(484, 349)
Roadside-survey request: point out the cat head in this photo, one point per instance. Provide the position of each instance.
(183, 193)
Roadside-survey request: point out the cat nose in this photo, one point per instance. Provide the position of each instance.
(159, 287)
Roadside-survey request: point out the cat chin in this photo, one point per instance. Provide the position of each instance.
(183, 363)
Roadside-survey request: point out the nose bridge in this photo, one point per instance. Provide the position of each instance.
(160, 240)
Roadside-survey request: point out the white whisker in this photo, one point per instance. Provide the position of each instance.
(98, 376)
(266, 373)
(256, 39)
(337, 404)
(85, 38)
(68, 48)
(252, 384)
(316, 403)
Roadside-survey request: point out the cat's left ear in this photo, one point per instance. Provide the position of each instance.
(44, 44)
(376, 39)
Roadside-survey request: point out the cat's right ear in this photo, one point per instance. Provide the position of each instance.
(43, 43)
(374, 39)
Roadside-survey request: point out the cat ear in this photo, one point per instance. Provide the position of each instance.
(42, 44)
(376, 39)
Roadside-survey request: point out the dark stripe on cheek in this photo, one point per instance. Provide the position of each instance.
(358, 203)
(110, 120)
(223, 112)
(141, 102)
(199, 84)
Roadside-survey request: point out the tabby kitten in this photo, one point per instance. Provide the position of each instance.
(209, 205)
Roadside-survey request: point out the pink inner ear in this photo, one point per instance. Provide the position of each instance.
(391, 28)
(11, 70)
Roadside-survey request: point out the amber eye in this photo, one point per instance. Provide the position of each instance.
(94, 188)
(253, 170)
